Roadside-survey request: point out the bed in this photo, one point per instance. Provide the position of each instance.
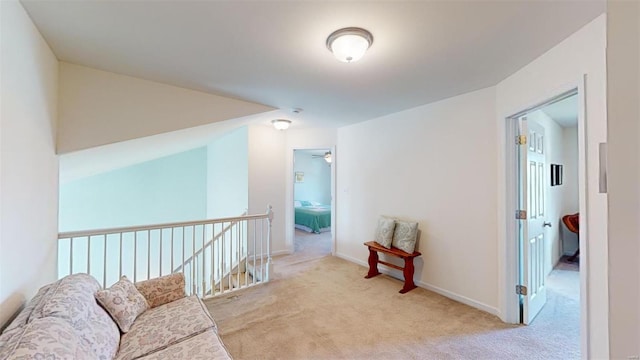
(312, 217)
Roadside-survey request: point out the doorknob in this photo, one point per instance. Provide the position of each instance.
(547, 224)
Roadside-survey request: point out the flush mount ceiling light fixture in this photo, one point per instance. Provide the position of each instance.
(281, 124)
(349, 44)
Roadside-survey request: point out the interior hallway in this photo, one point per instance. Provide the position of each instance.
(311, 243)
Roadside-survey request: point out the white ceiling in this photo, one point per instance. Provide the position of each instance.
(274, 52)
(564, 112)
(317, 152)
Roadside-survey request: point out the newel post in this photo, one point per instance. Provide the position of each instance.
(269, 238)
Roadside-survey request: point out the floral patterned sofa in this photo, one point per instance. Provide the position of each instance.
(73, 318)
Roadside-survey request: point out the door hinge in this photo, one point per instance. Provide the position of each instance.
(521, 140)
(521, 214)
(521, 290)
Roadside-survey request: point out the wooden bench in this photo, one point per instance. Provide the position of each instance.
(407, 270)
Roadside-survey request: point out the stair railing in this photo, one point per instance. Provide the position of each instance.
(196, 263)
(214, 255)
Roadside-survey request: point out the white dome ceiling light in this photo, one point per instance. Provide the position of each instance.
(349, 44)
(281, 124)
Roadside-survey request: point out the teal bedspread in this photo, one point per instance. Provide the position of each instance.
(314, 217)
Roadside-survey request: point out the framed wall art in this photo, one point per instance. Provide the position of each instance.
(556, 174)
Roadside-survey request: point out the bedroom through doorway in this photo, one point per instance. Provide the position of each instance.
(312, 201)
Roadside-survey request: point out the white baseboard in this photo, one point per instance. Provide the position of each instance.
(353, 260)
(460, 298)
(281, 252)
(273, 253)
(446, 293)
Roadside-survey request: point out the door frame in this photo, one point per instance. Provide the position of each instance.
(289, 209)
(509, 237)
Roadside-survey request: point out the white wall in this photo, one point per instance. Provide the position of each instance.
(169, 189)
(570, 170)
(571, 202)
(559, 69)
(435, 164)
(267, 179)
(317, 178)
(228, 175)
(29, 166)
(99, 107)
(623, 76)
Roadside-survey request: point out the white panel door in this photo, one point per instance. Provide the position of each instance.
(533, 190)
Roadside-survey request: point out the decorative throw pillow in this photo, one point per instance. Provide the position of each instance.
(384, 231)
(404, 236)
(162, 290)
(306, 203)
(123, 302)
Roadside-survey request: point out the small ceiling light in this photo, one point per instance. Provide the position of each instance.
(281, 124)
(327, 157)
(349, 44)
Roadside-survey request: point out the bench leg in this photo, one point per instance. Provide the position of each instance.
(373, 264)
(408, 276)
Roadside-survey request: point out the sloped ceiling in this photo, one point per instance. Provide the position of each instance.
(96, 160)
(98, 108)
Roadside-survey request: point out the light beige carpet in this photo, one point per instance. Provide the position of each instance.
(320, 307)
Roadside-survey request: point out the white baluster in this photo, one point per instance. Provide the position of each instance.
(160, 273)
(255, 249)
(135, 256)
(71, 256)
(104, 263)
(222, 259)
(148, 254)
(202, 251)
(88, 254)
(183, 264)
(172, 253)
(194, 280)
(268, 268)
(120, 272)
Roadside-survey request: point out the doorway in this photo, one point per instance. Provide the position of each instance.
(312, 205)
(546, 190)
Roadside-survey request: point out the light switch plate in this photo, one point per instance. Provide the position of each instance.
(602, 177)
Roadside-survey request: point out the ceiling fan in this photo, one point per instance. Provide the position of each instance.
(326, 157)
